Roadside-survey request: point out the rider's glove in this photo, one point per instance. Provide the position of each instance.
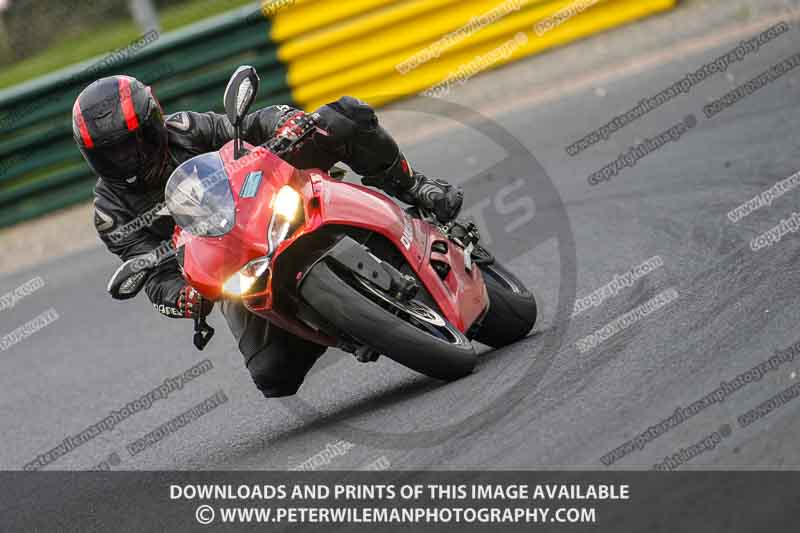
(191, 304)
(292, 134)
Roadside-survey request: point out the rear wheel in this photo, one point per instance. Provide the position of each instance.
(512, 308)
(412, 333)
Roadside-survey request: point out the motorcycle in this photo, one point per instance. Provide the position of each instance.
(335, 263)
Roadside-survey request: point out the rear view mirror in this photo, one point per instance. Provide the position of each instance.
(240, 93)
(129, 279)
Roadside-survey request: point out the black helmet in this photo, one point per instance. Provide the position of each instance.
(119, 127)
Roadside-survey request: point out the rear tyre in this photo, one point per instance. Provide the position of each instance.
(411, 333)
(512, 308)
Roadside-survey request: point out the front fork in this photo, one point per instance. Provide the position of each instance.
(352, 256)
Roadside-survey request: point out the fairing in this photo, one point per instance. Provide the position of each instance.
(209, 261)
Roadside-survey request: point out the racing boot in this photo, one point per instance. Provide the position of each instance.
(435, 195)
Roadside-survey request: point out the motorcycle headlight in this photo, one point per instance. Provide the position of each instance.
(240, 283)
(287, 203)
(285, 207)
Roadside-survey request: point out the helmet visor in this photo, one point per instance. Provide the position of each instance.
(136, 154)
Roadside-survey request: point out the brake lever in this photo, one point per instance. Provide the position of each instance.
(203, 332)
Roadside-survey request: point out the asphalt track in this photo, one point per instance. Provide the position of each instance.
(735, 307)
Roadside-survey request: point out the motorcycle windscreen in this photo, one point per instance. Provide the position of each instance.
(199, 197)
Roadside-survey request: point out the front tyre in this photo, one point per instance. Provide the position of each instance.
(411, 333)
(512, 308)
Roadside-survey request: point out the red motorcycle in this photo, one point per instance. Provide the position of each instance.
(335, 263)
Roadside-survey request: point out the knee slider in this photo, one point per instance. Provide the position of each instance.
(273, 378)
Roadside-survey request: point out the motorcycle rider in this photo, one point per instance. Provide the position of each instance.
(120, 129)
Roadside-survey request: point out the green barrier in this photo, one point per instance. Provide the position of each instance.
(52, 181)
(178, 95)
(41, 170)
(35, 207)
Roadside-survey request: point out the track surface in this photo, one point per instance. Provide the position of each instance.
(735, 307)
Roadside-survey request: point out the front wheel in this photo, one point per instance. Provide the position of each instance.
(512, 308)
(411, 333)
